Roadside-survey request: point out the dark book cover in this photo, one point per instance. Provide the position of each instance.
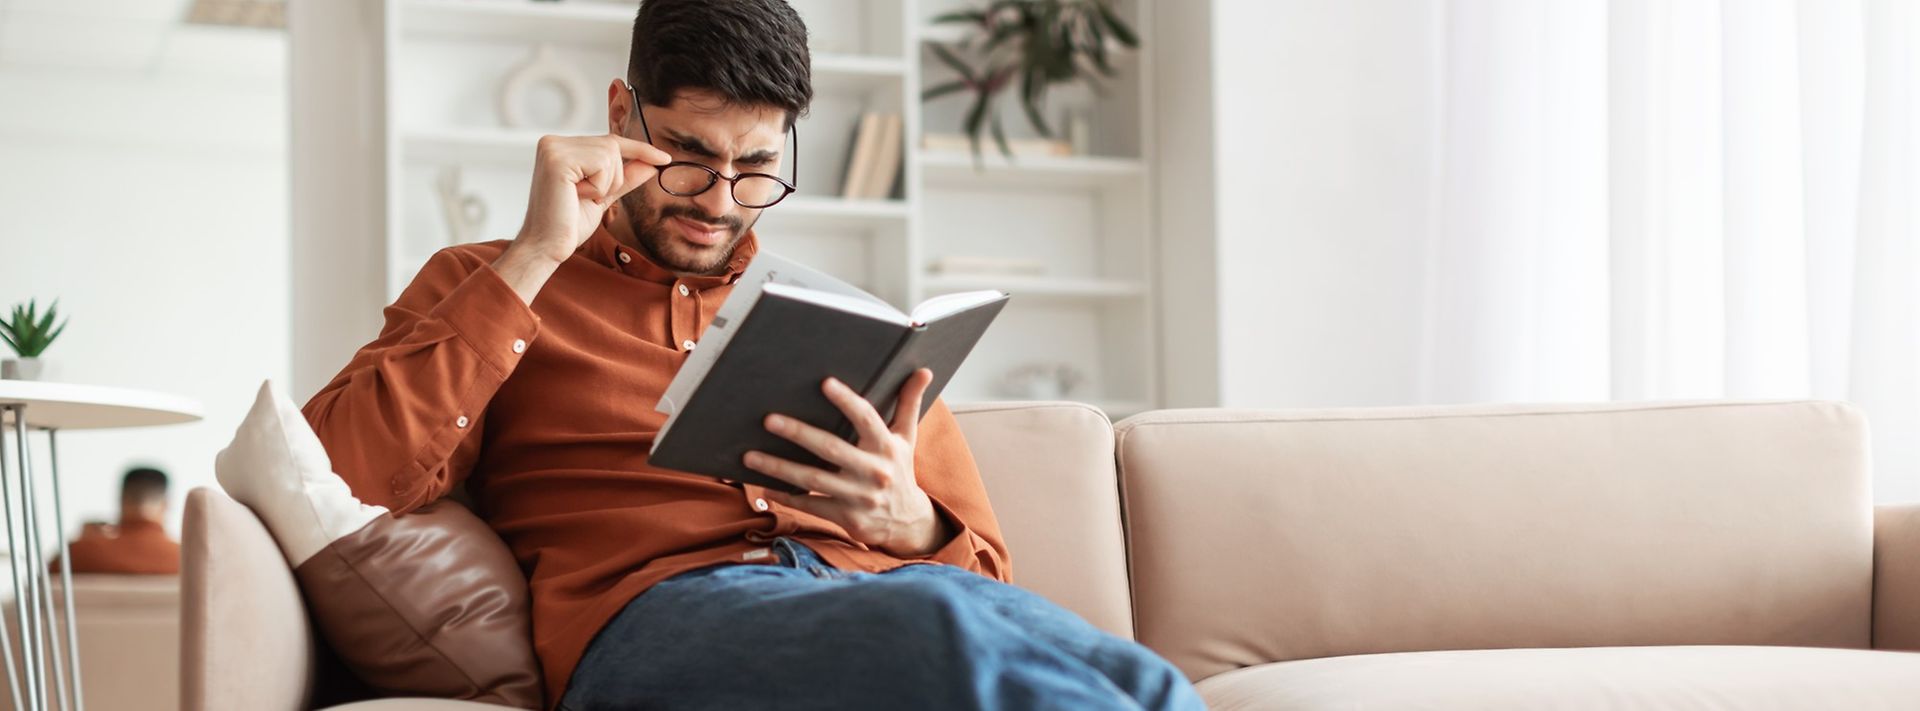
(776, 362)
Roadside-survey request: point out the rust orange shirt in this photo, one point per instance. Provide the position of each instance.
(132, 548)
(547, 414)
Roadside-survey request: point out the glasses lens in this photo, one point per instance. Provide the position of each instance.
(686, 180)
(758, 191)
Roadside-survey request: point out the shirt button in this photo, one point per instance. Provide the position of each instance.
(759, 504)
(519, 345)
(683, 290)
(688, 345)
(625, 258)
(461, 423)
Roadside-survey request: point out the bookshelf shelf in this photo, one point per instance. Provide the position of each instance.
(961, 170)
(1038, 286)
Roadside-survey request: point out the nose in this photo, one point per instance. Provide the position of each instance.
(717, 201)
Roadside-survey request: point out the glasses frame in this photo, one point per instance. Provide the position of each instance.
(713, 176)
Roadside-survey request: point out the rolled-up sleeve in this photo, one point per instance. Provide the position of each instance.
(402, 420)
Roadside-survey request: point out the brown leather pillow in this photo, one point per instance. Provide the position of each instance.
(430, 603)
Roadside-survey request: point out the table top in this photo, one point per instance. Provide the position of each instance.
(73, 406)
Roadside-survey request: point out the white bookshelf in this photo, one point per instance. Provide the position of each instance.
(1086, 217)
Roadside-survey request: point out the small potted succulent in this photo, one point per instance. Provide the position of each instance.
(28, 333)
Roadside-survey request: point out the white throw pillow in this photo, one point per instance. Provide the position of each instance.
(278, 468)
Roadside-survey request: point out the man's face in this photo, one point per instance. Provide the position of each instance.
(696, 235)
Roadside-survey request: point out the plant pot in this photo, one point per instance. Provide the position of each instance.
(20, 369)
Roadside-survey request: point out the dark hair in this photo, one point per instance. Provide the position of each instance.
(752, 52)
(143, 483)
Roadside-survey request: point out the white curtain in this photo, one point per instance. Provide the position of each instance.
(1653, 199)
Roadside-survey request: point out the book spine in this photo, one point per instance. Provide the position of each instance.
(869, 387)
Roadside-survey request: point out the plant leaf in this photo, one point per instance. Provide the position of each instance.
(975, 17)
(1120, 29)
(13, 344)
(1032, 92)
(938, 90)
(953, 61)
(56, 334)
(975, 117)
(1000, 137)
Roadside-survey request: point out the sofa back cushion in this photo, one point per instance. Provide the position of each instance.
(1048, 468)
(1261, 536)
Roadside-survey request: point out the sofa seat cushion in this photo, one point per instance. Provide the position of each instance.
(1692, 678)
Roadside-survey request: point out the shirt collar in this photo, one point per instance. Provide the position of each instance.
(603, 248)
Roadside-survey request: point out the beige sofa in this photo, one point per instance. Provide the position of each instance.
(1679, 555)
(129, 633)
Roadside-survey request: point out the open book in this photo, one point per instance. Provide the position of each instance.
(784, 330)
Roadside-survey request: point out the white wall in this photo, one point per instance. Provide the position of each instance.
(1317, 126)
(149, 195)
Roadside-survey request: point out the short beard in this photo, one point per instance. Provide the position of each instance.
(666, 249)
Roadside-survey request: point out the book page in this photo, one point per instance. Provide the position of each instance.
(876, 310)
(945, 305)
(766, 268)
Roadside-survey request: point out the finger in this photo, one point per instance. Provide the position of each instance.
(801, 475)
(640, 150)
(866, 421)
(616, 176)
(602, 177)
(823, 444)
(637, 173)
(906, 415)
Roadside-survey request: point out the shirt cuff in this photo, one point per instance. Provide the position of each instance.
(491, 318)
(963, 550)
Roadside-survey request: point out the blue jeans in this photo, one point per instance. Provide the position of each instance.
(804, 635)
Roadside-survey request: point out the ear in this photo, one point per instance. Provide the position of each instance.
(618, 107)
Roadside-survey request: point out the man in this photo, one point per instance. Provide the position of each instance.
(139, 545)
(529, 370)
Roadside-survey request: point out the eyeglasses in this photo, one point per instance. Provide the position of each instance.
(749, 190)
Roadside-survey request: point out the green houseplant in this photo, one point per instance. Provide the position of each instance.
(28, 333)
(1035, 44)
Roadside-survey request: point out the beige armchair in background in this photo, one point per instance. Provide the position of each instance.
(129, 631)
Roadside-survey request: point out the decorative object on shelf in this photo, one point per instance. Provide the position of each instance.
(29, 333)
(968, 265)
(873, 161)
(1018, 147)
(520, 89)
(1042, 381)
(1039, 43)
(465, 213)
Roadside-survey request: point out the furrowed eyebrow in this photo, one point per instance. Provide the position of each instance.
(693, 145)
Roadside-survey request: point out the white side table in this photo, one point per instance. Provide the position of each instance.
(48, 669)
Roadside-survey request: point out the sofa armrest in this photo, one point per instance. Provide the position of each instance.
(1896, 577)
(244, 639)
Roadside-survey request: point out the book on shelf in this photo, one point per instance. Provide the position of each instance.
(886, 160)
(873, 157)
(866, 140)
(782, 331)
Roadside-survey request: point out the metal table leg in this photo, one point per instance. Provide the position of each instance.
(66, 573)
(19, 560)
(14, 672)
